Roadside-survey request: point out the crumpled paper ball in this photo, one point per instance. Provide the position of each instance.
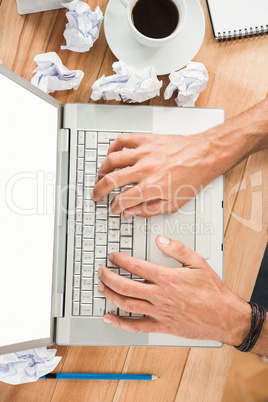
(83, 26)
(189, 82)
(27, 366)
(128, 84)
(51, 75)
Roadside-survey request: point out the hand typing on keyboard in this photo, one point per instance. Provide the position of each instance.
(168, 170)
(190, 301)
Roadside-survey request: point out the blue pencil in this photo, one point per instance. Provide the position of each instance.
(98, 376)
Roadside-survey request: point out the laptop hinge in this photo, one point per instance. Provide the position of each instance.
(60, 238)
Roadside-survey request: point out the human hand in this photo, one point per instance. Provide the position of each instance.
(167, 171)
(189, 301)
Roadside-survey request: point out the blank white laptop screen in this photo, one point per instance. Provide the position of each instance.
(28, 144)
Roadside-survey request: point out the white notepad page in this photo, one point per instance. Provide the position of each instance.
(230, 16)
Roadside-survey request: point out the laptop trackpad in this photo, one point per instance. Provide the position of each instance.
(177, 226)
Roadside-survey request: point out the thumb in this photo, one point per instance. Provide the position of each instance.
(178, 251)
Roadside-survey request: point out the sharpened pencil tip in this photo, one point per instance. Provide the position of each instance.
(154, 377)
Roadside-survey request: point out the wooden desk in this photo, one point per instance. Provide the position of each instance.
(238, 79)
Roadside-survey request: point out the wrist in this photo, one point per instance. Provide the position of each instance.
(238, 322)
(239, 137)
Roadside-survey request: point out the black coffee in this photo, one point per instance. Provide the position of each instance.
(155, 18)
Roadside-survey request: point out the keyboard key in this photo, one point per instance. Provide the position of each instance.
(80, 177)
(113, 236)
(102, 149)
(89, 206)
(78, 241)
(126, 251)
(80, 163)
(77, 268)
(87, 193)
(91, 155)
(114, 223)
(126, 242)
(101, 226)
(90, 180)
(77, 254)
(79, 215)
(76, 282)
(100, 251)
(85, 309)
(123, 313)
(110, 264)
(125, 220)
(126, 229)
(76, 294)
(100, 160)
(90, 168)
(87, 258)
(80, 151)
(88, 245)
(96, 292)
(91, 139)
(88, 232)
(81, 137)
(113, 247)
(110, 308)
(75, 308)
(101, 239)
(79, 190)
(78, 228)
(112, 195)
(99, 263)
(87, 271)
(103, 201)
(86, 296)
(79, 202)
(101, 213)
(99, 307)
(106, 137)
(89, 219)
(86, 283)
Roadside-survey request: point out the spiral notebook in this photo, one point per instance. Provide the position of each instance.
(232, 19)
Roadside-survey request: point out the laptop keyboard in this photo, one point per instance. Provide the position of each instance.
(97, 231)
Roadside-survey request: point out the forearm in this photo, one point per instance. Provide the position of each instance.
(239, 137)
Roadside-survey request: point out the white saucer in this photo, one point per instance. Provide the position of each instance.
(171, 57)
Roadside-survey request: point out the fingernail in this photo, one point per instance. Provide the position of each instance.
(163, 240)
(100, 273)
(107, 320)
(100, 286)
(111, 257)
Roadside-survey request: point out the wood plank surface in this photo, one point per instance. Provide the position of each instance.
(238, 79)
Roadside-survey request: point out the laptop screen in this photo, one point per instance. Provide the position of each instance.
(28, 143)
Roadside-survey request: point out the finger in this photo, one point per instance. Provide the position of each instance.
(129, 140)
(128, 198)
(112, 181)
(145, 324)
(125, 286)
(150, 208)
(136, 195)
(117, 160)
(128, 304)
(181, 253)
(135, 266)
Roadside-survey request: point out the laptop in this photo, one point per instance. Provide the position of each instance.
(54, 237)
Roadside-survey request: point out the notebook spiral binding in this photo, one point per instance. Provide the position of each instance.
(242, 33)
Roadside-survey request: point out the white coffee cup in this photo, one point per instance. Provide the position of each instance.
(155, 42)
